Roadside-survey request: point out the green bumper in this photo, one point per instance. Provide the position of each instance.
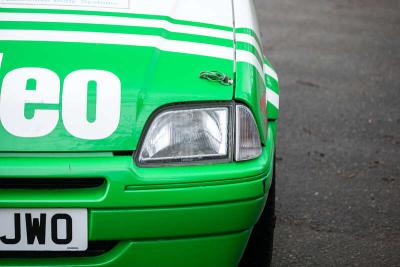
(171, 216)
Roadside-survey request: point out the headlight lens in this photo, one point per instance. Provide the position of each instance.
(187, 135)
(248, 144)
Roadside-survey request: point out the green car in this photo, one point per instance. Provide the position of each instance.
(135, 133)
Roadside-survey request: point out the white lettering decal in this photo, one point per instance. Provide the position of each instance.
(74, 104)
(40, 86)
(14, 96)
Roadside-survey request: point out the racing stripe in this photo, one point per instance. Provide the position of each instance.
(102, 28)
(150, 22)
(118, 21)
(156, 22)
(112, 14)
(247, 38)
(159, 42)
(249, 31)
(270, 72)
(250, 58)
(273, 98)
(251, 53)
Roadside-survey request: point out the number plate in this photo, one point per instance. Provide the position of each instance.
(43, 229)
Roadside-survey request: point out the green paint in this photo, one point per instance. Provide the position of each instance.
(31, 84)
(91, 101)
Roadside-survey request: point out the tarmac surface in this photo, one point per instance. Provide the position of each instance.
(338, 172)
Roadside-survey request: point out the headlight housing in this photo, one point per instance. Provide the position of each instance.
(187, 135)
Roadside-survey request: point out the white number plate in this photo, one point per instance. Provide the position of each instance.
(43, 229)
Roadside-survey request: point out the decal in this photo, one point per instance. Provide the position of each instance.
(159, 42)
(15, 95)
(117, 21)
(74, 104)
(270, 72)
(77, 3)
(273, 98)
(193, 11)
(247, 38)
(250, 58)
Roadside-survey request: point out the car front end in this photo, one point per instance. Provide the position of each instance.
(132, 138)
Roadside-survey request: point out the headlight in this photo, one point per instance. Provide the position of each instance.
(186, 135)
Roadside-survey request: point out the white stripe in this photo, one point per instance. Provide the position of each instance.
(243, 37)
(273, 98)
(119, 21)
(247, 57)
(250, 58)
(119, 39)
(270, 72)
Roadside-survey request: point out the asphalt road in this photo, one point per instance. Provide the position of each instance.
(338, 183)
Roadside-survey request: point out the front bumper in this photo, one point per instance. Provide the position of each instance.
(170, 216)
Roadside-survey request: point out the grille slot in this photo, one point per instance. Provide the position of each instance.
(50, 183)
(95, 248)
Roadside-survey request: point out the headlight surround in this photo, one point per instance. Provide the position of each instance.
(199, 133)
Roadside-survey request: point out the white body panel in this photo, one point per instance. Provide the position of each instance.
(206, 11)
(245, 15)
